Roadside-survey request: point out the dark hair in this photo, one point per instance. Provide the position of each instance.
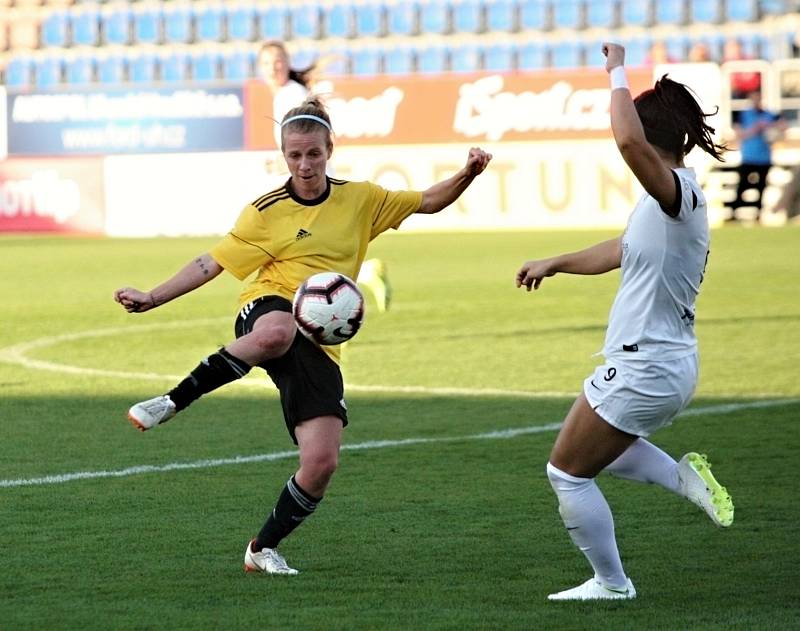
(312, 106)
(673, 120)
(303, 76)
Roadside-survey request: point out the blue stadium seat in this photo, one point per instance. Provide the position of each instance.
(305, 20)
(19, 71)
(273, 23)
(366, 61)
(147, 24)
(531, 56)
(402, 18)
(48, 72)
(142, 67)
(742, 11)
(501, 16)
(175, 66)
(636, 50)
(637, 12)
(208, 23)
(115, 24)
(177, 23)
(533, 15)
(434, 17)
(432, 59)
(600, 14)
(205, 65)
(398, 60)
(567, 14)
(54, 29)
(338, 20)
(567, 54)
(465, 58)
(593, 54)
(241, 21)
(670, 12)
(370, 20)
(498, 58)
(305, 56)
(467, 16)
(85, 24)
(238, 65)
(111, 69)
(677, 47)
(705, 11)
(337, 61)
(80, 70)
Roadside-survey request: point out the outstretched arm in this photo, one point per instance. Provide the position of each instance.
(655, 176)
(444, 193)
(190, 277)
(598, 259)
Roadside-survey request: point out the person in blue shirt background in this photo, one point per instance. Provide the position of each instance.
(756, 129)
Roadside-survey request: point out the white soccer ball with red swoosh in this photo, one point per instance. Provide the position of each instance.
(328, 308)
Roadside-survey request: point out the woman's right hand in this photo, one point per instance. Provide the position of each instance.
(532, 273)
(133, 300)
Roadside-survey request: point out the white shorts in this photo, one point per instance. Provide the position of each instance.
(640, 397)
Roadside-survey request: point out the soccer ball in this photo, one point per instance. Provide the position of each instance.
(328, 308)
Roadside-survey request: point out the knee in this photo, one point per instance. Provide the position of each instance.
(273, 341)
(320, 466)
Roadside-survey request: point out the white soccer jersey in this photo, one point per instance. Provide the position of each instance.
(663, 261)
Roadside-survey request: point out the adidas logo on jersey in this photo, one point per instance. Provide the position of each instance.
(302, 234)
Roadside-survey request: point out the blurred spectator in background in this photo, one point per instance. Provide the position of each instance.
(756, 130)
(659, 54)
(699, 53)
(742, 83)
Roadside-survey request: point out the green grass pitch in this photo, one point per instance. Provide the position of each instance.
(438, 518)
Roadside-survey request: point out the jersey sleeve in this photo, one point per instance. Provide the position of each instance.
(245, 248)
(390, 208)
(687, 198)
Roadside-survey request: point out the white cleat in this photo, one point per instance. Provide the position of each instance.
(268, 561)
(699, 486)
(593, 589)
(148, 414)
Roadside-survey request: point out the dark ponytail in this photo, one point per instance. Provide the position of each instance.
(673, 120)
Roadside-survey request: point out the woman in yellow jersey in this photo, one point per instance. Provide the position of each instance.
(313, 223)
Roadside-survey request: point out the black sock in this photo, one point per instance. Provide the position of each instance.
(214, 371)
(293, 506)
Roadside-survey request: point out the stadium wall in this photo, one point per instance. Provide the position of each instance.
(175, 162)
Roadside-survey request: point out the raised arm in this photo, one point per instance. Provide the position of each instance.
(190, 277)
(444, 193)
(642, 158)
(597, 259)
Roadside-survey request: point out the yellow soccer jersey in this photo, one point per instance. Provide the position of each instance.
(287, 239)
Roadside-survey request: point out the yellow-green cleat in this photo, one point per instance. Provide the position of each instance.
(699, 486)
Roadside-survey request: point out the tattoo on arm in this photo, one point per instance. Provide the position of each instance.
(203, 267)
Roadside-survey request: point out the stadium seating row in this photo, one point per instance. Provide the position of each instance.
(228, 62)
(180, 21)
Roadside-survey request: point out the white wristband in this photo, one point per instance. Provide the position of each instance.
(618, 78)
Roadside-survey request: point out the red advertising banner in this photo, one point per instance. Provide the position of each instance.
(454, 108)
(56, 195)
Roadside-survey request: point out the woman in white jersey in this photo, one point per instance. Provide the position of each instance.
(651, 364)
(338, 220)
(290, 87)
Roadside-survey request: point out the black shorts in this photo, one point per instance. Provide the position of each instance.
(309, 381)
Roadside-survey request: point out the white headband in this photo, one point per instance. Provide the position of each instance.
(311, 117)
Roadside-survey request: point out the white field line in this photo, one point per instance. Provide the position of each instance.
(376, 444)
(18, 354)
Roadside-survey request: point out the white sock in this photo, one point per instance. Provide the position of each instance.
(644, 462)
(589, 522)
